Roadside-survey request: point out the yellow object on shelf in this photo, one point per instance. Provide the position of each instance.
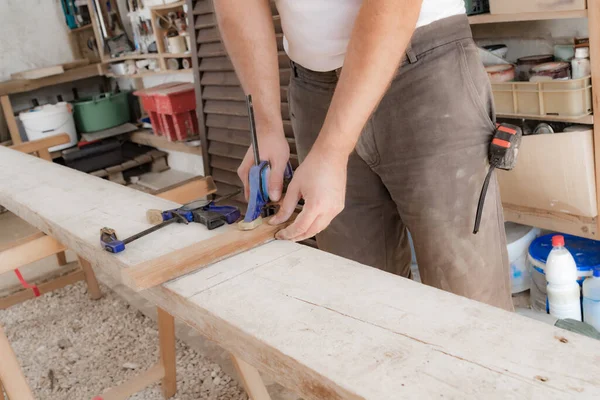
(570, 99)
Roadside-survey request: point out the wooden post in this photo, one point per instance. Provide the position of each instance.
(166, 334)
(251, 380)
(15, 384)
(594, 31)
(11, 121)
(90, 279)
(61, 258)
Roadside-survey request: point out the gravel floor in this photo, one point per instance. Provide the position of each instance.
(73, 348)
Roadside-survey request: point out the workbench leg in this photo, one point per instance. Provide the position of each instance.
(61, 258)
(90, 278)
(11, 121)
(166, 334)
(251, 380)
(11, 375)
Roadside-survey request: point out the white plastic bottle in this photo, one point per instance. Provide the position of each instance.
(591, 300)
(563, 289)
(580, 65)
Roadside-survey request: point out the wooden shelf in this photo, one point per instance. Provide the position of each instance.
(494, 18)
(588, 119)
(147, 138)
(176, 55)
(168, 6)
(81, 29)
(132, 57)
(150, 73)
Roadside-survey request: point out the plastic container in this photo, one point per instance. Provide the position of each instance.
(104, 111)
(564, 293)
(586, 253)
(580, 65)
(518, 239)
(569, 98)
(591, 300)
(50, 120)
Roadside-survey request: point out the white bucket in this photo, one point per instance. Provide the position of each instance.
(518, 239)
(50, 120)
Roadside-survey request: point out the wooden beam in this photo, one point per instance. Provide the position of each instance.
(146, 137)
(198, 255)
(54, 284)
(61, 258)
(42, 144)
(21, 241)
(11, 376)
(166, 337)
(38, 73)
(11, 121)
(28, 253)
(251, 379)
(191, 190)
(26, 85)
(128, 388)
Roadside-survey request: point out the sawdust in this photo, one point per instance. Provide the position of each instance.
(73, 348)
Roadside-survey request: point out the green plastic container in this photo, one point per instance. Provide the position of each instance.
(100, 112)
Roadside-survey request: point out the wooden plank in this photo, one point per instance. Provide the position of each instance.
(211, 50)
(61, 258)
(203, 7)
(132, 386)
(234, 93)
(208, 35)
(25, 85)
(11, 376)
(227, 121)
(237, 108)
(90, 279)
(326, 327)
(191, 190)
(198, 256)
(227, 150)
(147, 138)
(11, 121)
(225, 163)
(76, 63)
(241, 138)
(38, 73)
(538, 16)
(47, 287)
(166, 337)
(205, 21)
(29, 252)
(251, 380)
(277, 24)
(594, 35)
(42, 144)
(220, 78)
(230, 178)
(21, 241)
(216, 64)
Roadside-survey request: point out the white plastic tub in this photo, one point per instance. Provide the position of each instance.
(50, 120)
(518, 239)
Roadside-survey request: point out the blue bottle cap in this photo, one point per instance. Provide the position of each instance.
(596, 272)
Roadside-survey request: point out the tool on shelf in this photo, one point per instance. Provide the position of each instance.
(258, 201)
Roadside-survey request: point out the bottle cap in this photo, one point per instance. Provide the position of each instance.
(558, 240)
(582, 52)
(596, 272)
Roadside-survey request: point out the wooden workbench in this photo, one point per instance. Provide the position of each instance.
(25, 85)
(321, 325)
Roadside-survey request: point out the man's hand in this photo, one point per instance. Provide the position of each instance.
(321, 181)
(275, 149)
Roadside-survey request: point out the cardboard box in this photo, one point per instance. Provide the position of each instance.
(554, 172)
(532, 6)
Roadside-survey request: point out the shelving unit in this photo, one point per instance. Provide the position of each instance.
(559, 220)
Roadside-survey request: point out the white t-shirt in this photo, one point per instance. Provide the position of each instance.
(317, 32)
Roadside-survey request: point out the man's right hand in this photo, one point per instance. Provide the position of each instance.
(274, 148)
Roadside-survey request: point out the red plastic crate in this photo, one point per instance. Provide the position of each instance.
(148, 99)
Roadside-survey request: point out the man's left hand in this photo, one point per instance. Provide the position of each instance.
(321, 181)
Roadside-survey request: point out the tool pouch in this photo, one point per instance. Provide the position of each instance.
(503, 152)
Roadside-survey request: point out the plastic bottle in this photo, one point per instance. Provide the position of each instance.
(591, 300)
(563, 289)
(580, 65)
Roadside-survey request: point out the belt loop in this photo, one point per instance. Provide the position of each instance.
(410, 55)
(293, 67)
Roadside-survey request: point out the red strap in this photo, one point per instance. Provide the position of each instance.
(26, 285)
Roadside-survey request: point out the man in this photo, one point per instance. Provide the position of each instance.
(395, 139)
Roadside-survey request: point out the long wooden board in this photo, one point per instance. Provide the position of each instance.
(326, 327)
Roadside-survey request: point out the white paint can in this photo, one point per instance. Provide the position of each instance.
(50, 120)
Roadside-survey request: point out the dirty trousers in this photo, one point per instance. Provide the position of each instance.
(419, 165)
